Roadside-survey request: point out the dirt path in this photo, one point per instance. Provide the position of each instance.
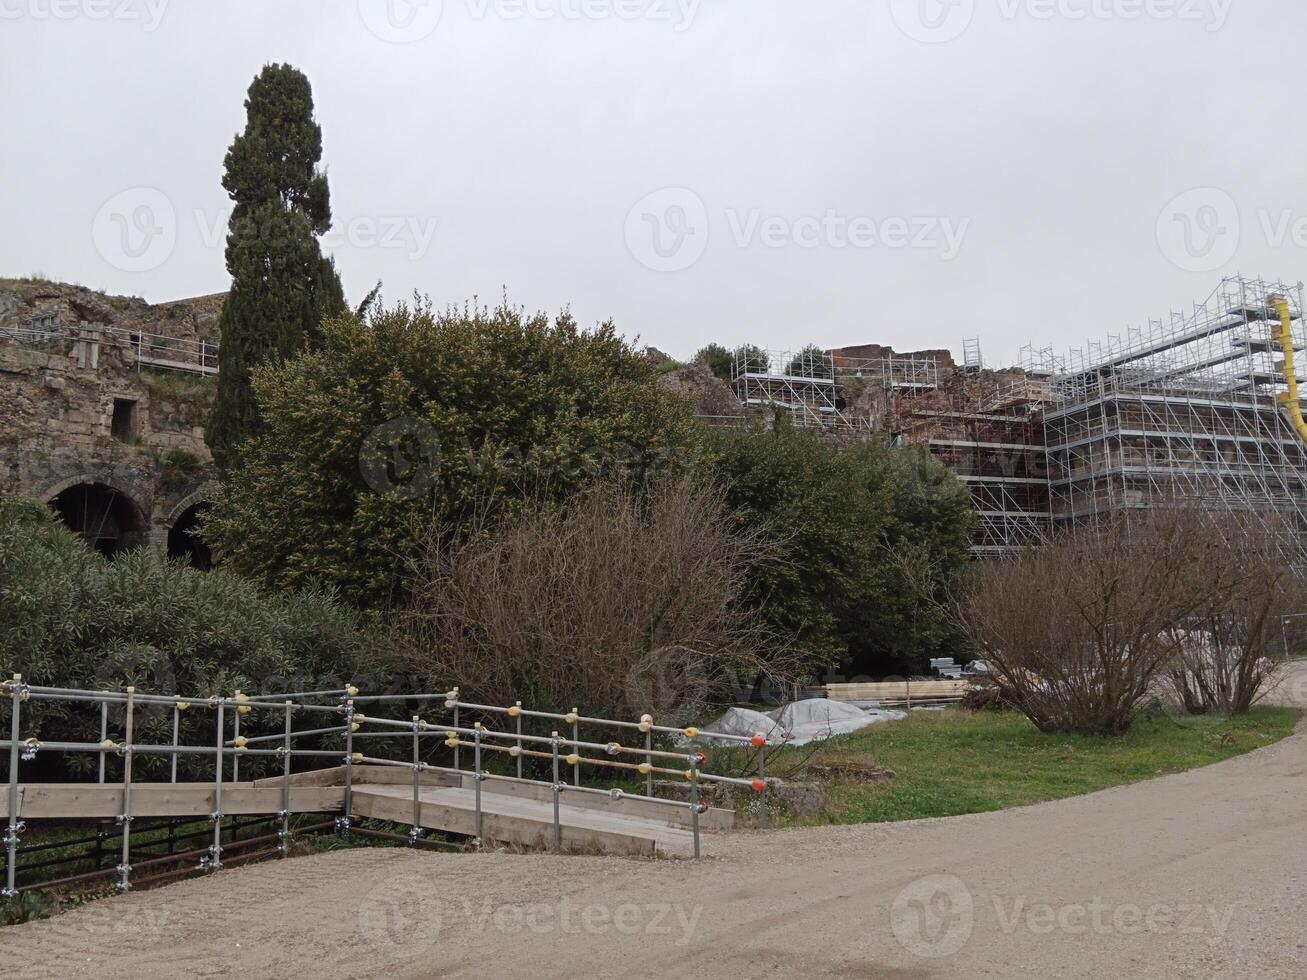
(1201, 874)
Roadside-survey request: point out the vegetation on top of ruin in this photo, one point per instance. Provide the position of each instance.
(192, 318)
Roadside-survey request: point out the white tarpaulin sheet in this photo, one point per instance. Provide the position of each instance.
(804, 721)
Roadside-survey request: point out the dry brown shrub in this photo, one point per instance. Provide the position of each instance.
(1080, 630)
(621, 601)
(1232, 650)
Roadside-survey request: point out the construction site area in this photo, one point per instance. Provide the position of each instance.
(1199, 407)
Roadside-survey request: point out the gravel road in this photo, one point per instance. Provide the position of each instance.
(1201, 874)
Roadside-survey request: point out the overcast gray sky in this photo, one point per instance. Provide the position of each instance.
(769, 171)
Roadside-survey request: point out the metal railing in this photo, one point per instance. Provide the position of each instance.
(147, 349)
(344, 718)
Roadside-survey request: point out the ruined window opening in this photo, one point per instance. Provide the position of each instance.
(123, 426)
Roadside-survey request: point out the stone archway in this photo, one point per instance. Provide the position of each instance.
(184, 543)
(107, 518)
(181, 524)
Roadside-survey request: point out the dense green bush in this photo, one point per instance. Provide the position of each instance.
(414, 418)
(716, 359)
(70, 617)
(865, 531)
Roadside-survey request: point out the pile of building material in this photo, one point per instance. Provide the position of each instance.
(798, 723)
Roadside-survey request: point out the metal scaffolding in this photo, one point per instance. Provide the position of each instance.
(1183, 411)
(808, 385)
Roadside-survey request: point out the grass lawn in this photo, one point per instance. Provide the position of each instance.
(952, 762)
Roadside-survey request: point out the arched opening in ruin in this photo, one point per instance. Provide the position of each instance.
(183, 541)
(108, 520)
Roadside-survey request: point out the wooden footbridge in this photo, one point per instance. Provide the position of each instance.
(486, 808)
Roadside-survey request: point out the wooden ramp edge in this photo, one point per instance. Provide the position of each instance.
(515, 812)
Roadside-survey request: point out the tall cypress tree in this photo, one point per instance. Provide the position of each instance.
(281, 284)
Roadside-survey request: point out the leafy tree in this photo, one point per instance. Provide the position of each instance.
(717, 359)
(415, 417)
(860, 528)
(281, 285)
(71, 617)
(925, 544)
(811, 362)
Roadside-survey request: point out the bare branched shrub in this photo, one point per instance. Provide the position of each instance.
(1080, 630)
(1232, 650)
(620, 600)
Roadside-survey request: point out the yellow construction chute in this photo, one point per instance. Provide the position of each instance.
(1283, 335)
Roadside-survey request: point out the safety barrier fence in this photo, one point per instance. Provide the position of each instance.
(343, 716)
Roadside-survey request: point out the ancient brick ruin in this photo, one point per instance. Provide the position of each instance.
(103, 401)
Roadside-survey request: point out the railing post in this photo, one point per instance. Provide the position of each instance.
(648, 757)
(576, 737)
(457, 742)
(125, 867)
(694, 800)
(215, 849)
(519, 739)
(762, 776)
(344, 821)
(104, 732)
(284, 834)
(176, 732)
(236, 740)
(416, 831)
(15, 825)
(476, 779)
(558, 789)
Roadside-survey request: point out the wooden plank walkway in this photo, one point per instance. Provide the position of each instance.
(513, 812)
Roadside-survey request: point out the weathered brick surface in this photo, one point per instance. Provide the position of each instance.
(57, 399)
